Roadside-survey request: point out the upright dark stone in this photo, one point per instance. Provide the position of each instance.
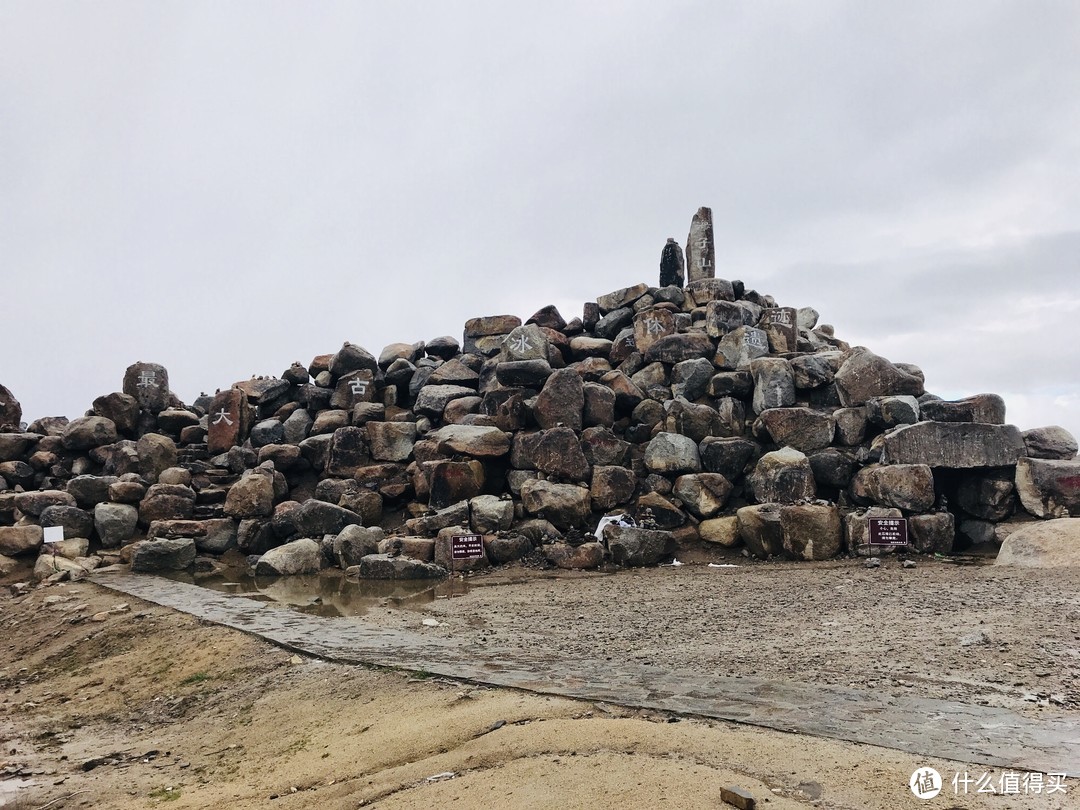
(228, 421)
(10, 410)
(672, 265)
(700, 248)
(149, 384)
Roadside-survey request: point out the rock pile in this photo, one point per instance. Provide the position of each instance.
(713, 414)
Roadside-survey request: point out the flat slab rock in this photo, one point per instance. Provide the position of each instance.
(934, 728)
(960, 445)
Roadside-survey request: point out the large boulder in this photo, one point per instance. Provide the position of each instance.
(454, 481)
(774, 384)
(760, 529)
(953, 444)
(115, 523)
(811, 531)
(251, 496)
(490, 513)
(561, 402)
(478, 441)
(384, 566)
(864, 375)
(1049, 544)
(74, 521)
(634, 546)
(317, 518)
(611, 486)
(703, 495)
(157, 453)
(672, 454)
(153, 556)
(987, 409)
(34, 503)
(1048, 488)
(15, 540)
(802, 428)
(167, 502)
(87, 432)
(574, 558)
(782, 476)
(90, 490)
(565, 505)
(391, 441)
(353, 543)
(932, 533)
(905, 486)
(303, 556)
(1051, 442)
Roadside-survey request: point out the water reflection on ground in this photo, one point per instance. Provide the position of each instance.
(329, 593)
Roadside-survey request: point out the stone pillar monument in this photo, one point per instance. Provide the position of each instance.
(700, 248)
(671, 265)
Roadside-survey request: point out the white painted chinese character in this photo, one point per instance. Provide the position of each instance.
(1010, 782)
(358, 387)
(520, 343)
(959, 781)
(984, 784)
(1055, 783)
(653, 326)
(222, 415)
(146, 379)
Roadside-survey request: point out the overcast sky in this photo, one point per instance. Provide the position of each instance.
(224, 188)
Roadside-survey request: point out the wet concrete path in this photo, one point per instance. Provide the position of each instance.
(928, 727)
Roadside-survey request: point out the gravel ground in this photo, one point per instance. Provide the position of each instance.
(977, 633)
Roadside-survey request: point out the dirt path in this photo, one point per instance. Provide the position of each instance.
(169, 710)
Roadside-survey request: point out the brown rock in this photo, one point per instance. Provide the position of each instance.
(228, 421)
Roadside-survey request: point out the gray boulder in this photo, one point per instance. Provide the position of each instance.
(384, 566)
(802, 428)
(489, 514)
(115, 523)
(811, 531)
(316, 518)
(986, 409)
(703, 495)
(153, 556)
(1051, 442)
(864, 375)
(958, 445)
(905, 486)
(303, 556)
(760, 529)
(478, 441)
(782, 476)
(774, 384)
(87, 432)
(565, 505)
(16, 540)
(574, 558)
(932, 533)
(353, 543)
(1048, 488)
(1049, 544)
(672, 454)
(634, 546)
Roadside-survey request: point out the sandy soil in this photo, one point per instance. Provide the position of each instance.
(113, 707)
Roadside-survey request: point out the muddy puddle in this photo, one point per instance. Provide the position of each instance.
(329, 593)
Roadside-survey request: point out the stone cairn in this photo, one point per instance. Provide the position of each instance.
(707, 411)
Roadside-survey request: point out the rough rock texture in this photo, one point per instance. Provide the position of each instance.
(1051, 544)
(152, 556)
(1047, 488)
(301, 556)
(959, 445)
